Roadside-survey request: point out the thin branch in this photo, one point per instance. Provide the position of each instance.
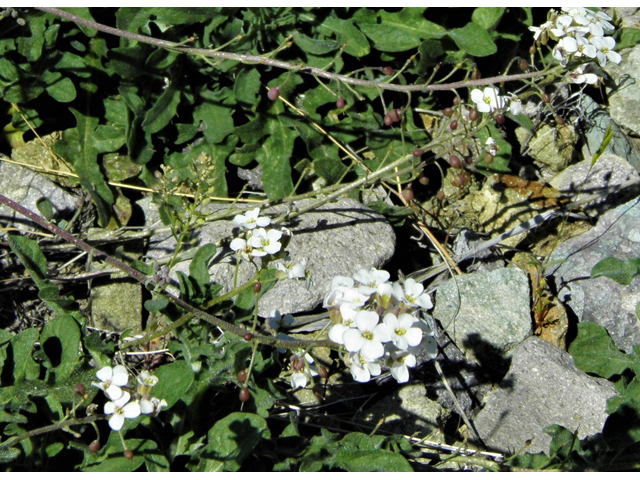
(299, 68)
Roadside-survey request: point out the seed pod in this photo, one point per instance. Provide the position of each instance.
(244, 395)
(447, 112)
(248, 337)
(459, 180)
(395, 114)
(417, 152)
(273, 93)
(456, 100)
(473, 114)
(454, 161)
(128, 454)
(322, 372)
(424, 180)
(440, 195)
(532, 50)
(387, 70)
(79, 389)
(387, 120)
(407, 194)
(257, 287)
(560, 120)
(524, 65)
(468, 160)
(488, 158)
(453, 125)
(546, 98)
(94, 446)
(241, 376)
(476, 75)
(500, 119)
(340, 102)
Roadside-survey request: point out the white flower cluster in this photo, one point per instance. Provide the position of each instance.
(581, 35)
(489, 100)
(377, 323)
(257, 241)
(114, 382)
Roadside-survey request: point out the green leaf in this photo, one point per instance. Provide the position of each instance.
(487, 17)
(101, 351)
(111, 459)
(63, 90)
(29, 253)
(216, 116)
(312, 45)
(247, 86)
(199, 268)
(593, 351)
(474, 40)
(563, 441)
(174, 379)
(622, 428)
(163, 110)
(501, 160)
(275, 157)
(45, 207)
(627, 37)
(81, 146)
(25, 368)
(357, 43)
(67, 332)
(156, 304)
(608, 136)
(232, 439)
(621, 271)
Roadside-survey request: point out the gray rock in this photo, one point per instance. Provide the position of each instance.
(597, 120)
(486, 313)
(336, 239)
(408, 411)
(26, 187)
(624, 97)
(602, 300)
(543, 387)
(609, 171)
(629, 17)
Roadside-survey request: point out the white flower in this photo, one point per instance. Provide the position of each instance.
(241, 246)
(578, 76)
(277, 321)
(300, 377)
(348, 316)
(605, 45)
(368, 337)
(145, 378)
(362, 369)
(401, 362)
(251, 219)
(370, 280)
(537, 31)
(120, 409)
(298, 270)
(152, 406)
(266, 241)
(487, 100)
(515, 104)
(112, 380)
(412, 294)
(563, 24)
(403, 334)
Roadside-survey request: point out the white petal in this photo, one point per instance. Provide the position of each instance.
(371, 350)
(366, 320)
(116, 422)
(131, 410)
(414, 336)
(336, 332)
(353, 340)
(120, 375)
(113, 392)
(105, 374)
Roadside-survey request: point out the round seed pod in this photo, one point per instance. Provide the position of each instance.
(387, 120)
(532, 50)
(407, 194)
(417, 152)
(500, 119)
(476, 75)
(454, 161)
(560, 120)
(524, 65)
(248, 337)
(241, 376)
(273, 93)
(453, 125)
(440, 195)
(546, 98)
(488, 158)
(340, 102)
(387, 70)
(322, 372)
(456, 100)
(395, 114)
(424, 180)
(79, 389)
(447, 112)
(244, 395)
(94, 446)
(257, 287)
(473, 114)
(128, 454)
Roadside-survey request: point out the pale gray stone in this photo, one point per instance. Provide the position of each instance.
(486, 313)
(624, 97)
(337, 238)
(26, 187)
(543, 387)
(602, 300)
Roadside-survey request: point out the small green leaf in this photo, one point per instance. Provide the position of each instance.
(608, 136)
(233, 438)
(66, 330)
(622, 428)
(357, 43)
(247, 86)
(487, 17)
(45, 207)
(163, 110)
(199, 268)
(62, 90)
(29, 253)
(156, 304)
(621, 271)
(174, 379)
(312, 45)
(275, 158)
(593, 351)
(627, 37)
(474, 40)
(25, 368)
